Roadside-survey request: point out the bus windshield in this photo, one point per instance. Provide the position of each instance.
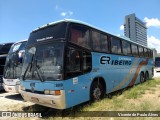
(43, 62)
(13, 65)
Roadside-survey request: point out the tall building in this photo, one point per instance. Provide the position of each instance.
(135, 29)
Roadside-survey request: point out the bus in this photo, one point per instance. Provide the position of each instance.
(157, 64)
(13, 67)
(4, 49)
(70, 62)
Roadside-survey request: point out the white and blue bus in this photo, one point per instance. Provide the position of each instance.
(69, 62)
(4, 49)
(13, 67)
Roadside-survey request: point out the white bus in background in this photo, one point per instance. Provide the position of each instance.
(4, 49)
(13, 67)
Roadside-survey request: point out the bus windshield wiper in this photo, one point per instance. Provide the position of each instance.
(30, 64)
(39, 73)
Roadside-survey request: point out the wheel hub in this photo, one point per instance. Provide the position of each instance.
(97, 93)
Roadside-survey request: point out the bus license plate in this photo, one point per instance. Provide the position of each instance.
(9, 80)
(9, 88)
(34, 99)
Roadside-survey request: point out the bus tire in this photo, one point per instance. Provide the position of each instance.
(97, 91)
(146, 75)
(142, 78)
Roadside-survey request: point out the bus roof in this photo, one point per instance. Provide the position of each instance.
(86, 24)
(20, 41)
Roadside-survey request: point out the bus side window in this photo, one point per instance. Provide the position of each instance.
(104, 43)
(80, 35)
(145, 52)
(75, 34)
(151, 53)
(126, 48)
(73, 63)
(134, 50)
(148, 53)
(87, 61)
(141, 54)
(116, 45)
(96, 40)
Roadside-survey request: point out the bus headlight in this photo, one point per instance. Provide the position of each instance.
(23, 88)
(46, 92)
(17, 83)
(52, 92)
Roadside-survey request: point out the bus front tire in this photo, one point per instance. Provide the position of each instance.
(97, 91)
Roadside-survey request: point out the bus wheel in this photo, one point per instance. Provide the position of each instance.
(146, 76)
(97, 91)
(142, 79)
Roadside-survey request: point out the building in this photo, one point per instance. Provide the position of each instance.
(135, 29)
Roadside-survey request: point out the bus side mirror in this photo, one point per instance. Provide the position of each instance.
(20, 56)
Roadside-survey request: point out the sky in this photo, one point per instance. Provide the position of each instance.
(19, 17)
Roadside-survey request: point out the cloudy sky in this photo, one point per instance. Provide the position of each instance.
(19, 17)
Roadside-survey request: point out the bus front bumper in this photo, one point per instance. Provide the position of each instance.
(57, 102)
(10, 88)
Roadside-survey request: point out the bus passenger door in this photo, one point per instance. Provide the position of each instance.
(78, 66)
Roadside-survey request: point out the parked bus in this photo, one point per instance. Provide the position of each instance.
(4, 48)
(69, 62)
(157, 64)
(13, 67)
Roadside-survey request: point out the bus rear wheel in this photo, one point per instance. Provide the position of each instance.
(97, 91)
(146, 76)
(142, 78)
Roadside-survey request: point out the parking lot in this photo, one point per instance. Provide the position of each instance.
(10, 101)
